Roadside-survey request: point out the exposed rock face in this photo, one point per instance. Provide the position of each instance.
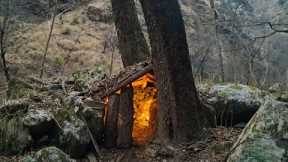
(48, 154)
(233, 103)
(14, 137)
(265, 137)
(99, 12)
(41, 8)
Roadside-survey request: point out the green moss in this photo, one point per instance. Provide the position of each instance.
(49, 154)
(14, 138)
(63, 115)
(222, 94)
(263, 150)
(28, 159)
(59, 60)
(236, 86)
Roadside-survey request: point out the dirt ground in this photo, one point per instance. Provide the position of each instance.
(213, 149)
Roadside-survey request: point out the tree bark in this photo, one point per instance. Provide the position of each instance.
(133, 49)
(218, 42)
(4, 27)
(110, 132)
(125, 118)
(179, 115)
(132, 43)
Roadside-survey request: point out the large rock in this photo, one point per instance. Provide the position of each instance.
(74, 138)
(233, 103)
(279, 92)
(265, 137)
(93, 114)
(40, 123)
(49, 154)
(14, 137)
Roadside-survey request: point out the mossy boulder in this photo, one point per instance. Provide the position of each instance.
(265, 137)
(93, 113)
(281, 96)
(14, 137)
(40, 123)
(233, 103)
(74, 138)
(49, 154)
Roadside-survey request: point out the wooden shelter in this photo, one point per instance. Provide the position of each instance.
(130, 105)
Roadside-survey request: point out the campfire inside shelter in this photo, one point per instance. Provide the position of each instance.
(144, 108)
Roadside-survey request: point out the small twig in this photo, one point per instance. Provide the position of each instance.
(63, 86)
(58, 124)
(232, 150)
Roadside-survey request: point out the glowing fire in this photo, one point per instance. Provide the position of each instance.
(145, 108)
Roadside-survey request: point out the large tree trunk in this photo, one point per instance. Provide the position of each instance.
(179, 114)
(132, 44)
(133, 49)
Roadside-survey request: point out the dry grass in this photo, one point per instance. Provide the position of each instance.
(76, 44)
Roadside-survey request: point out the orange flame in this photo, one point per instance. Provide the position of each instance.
(145, 108)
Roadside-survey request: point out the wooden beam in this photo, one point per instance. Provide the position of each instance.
(110, 131)
(124, 82)
(125, 118)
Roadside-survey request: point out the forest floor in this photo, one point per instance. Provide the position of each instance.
(214, 149)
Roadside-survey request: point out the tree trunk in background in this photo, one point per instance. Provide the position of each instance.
(133, 49)
(218, 42)
(179, 116)
(132, 44)
(4, 30)
(125, 118)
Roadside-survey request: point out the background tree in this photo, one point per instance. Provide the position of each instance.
(132, 44)
(53, 17)
(5, 29)
(179, 113)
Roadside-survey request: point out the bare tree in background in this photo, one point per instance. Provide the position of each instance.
(5, 25)
(54, 14)
(218, 41)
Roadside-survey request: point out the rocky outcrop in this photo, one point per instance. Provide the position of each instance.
(233, 103)
(99, 12)
(48, 154)
(39, 123)
(28, 124)
(265, 137)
